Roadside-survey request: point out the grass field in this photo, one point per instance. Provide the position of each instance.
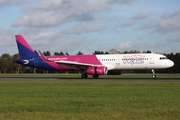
(89, 100)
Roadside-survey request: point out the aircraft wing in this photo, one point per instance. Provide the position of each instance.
(74, 64)
(69, 63)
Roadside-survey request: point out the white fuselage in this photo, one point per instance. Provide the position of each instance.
(135, 61)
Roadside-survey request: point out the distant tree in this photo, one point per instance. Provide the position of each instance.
(125, 52)
(47, 53)
(98, 52)
(175, 58)
(61, 53)
(135, 51)
(106, 52)
(148, 51)
(101, 52)
(130, 52)
(5, 63)
(79, 53)
(56, 53)
(114, 51)
(16, 67)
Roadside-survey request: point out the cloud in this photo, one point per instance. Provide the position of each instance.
(149, 24)
(39, 19)
(52, 41)
(6, 36)
(141, 16)
(125, 45)
(169, 22)
(84, 17)
(166, 23)
(121, 1)
(56, 12)
(135, 19)
(128, 23)
(169, 44)
(40, 39)
(174, 38)
(10, 2)
(78, 29)
(73, 6)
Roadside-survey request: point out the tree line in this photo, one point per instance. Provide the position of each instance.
(7, 66)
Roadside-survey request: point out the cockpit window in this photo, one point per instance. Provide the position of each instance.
(163, 58)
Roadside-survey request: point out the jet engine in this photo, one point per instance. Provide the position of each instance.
(97, 70)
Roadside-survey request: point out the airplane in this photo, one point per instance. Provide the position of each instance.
(95, 65)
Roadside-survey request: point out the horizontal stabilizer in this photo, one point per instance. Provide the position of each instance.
(20, 61)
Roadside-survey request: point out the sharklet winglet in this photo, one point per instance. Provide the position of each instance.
(43, 56)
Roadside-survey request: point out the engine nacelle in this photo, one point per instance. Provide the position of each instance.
(114, 72)
(97, 70)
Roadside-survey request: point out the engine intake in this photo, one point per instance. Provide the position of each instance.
(97, 70)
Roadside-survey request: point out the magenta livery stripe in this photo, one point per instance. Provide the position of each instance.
(21, 40)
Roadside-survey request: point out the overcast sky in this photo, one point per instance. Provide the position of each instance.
(89, 25)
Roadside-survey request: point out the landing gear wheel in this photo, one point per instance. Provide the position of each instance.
(84, 75)
(154, 76)
(95, 76)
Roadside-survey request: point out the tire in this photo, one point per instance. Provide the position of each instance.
(154, 76)
(84, 75)
(95, 76)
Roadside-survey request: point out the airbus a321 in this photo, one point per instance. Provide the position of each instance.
(95, 65)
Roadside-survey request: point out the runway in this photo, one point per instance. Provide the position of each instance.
(92, 79)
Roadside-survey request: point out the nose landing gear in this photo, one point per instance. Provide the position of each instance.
(154, 74)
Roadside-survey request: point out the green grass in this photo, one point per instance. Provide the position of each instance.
(89, 100)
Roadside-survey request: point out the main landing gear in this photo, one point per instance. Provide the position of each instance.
(154, 74)
(95, 76)
(85, 75)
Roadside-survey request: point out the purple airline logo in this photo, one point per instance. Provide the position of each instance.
(133, 59)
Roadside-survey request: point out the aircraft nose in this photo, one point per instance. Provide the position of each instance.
(171, 63)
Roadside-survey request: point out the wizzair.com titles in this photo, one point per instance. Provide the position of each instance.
(56, 59)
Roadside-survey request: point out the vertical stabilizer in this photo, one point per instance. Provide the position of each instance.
(24, 48)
